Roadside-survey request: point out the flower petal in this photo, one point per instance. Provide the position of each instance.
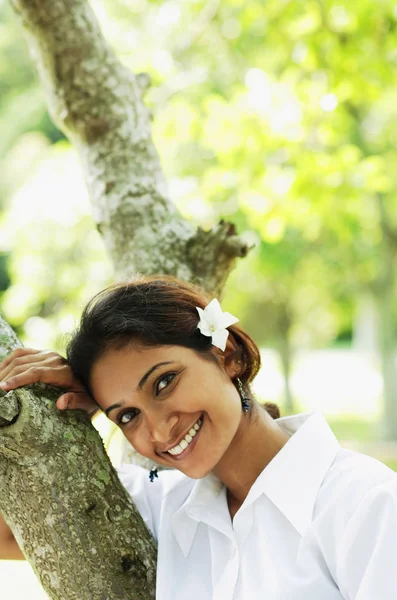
(213, 322)
(213, 311)
(219, 338)
(204, 323)
(215, 316)
(227, 319)
(205, 328)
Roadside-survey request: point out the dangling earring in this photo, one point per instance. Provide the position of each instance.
(244, 400)
(153, 473)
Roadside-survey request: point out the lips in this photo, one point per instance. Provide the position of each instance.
(190, 445)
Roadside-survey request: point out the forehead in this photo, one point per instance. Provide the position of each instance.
(118, 370)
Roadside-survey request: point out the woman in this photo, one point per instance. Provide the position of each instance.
(255, 506)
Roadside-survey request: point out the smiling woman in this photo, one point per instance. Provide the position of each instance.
(141, 353)
(252, 505)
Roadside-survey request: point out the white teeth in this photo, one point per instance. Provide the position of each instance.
(187, 439)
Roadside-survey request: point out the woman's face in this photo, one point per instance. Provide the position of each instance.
(163, 395)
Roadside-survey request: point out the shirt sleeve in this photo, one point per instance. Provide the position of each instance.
(148, 496)
(367, 555)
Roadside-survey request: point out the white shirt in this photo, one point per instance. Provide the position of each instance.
(319, 523)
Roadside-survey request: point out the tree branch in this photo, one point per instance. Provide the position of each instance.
(98, 103)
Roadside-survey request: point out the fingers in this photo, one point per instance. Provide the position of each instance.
(26, 356)
(74, 400)
(26, 366)
(19, 363)
(19, 353)
(37, 373)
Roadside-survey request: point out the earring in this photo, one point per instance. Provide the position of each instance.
(244, 400)
(153, 473)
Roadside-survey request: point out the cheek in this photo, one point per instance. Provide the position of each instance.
(230, 403)
(138, 437)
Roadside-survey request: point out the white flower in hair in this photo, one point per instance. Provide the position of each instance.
(213, 323)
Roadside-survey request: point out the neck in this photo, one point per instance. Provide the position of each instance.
(256, 443)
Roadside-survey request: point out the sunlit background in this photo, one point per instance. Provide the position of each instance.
(280, 116)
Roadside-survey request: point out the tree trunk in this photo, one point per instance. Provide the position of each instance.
(62, 498)
(365, 324)
(285, 352)
(97, 102)
(284, 322)
(384, 295)
(374, 333)
(385, 300)
(58, 491)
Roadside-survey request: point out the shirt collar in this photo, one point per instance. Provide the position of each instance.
(205, 500)
(291, 480)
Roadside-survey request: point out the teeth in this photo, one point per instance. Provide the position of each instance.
(187, 439)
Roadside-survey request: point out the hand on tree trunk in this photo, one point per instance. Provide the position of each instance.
(25, 366)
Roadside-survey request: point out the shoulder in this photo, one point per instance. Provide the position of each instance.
(363, 528)
(356, 500)
(150, 497)
(350, 477)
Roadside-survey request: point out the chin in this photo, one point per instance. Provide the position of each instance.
(195, 472)
(197, 469)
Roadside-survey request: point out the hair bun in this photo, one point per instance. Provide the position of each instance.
(272, 409)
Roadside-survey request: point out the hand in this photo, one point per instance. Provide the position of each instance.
(25, 366)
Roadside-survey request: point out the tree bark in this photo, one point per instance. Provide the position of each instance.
(61, 497)
(98, 103)
(58, 491)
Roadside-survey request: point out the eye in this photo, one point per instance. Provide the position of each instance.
(127, 416)
(165, 378)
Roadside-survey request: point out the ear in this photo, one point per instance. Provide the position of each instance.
(231, 358)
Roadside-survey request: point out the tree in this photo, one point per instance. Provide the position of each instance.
(97, 102)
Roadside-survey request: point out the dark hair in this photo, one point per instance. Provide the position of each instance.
(151, 311)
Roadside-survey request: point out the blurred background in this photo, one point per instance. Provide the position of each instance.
(280, 116)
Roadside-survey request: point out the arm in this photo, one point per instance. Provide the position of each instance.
(367, 555)
(9, 549)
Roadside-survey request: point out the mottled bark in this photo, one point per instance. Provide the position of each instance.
(58, 491)
(62, 499)
(98, 103)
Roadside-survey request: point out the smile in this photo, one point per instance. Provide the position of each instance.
(187, 440)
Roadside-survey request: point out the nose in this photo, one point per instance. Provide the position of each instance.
(160, 427)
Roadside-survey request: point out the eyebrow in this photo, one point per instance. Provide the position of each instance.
(140, 384)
